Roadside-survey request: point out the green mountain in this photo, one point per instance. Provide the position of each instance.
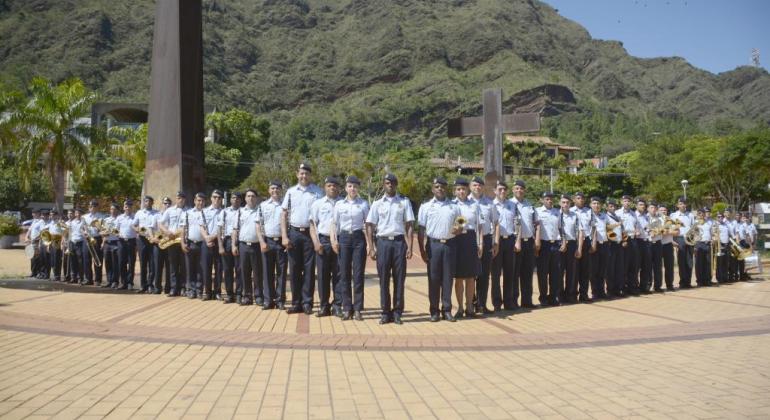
(389, 72)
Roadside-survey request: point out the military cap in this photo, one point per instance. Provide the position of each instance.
(391, 178)
(547, 194)
(579, 194)
(520, 183)
(461, 182)
(218, 192)
(439, 180)
(332, 180)
(567, 196)
(276, 183)
(501, 183)
(149, 197)
(352, 179)
(305, 166)
(479, 180)
(181, 193)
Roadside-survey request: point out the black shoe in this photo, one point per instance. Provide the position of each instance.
(511, 307)
(259, 301)
(448, 316)
(646, 292)
(156, 292)
(555, 302)
(529, 306)
(245, 302)
(190, 295)
(348, 316)
(486, 311)
(140, 291)
(281, 306)
(205, 297)
(459, 313)
(227, 300)
(294, 310)
(397, 319)
(323, 312)
(685, 286)
(218, 296)
(106, 286)
(384, 319)
(338, 312)
(470, 314)
(123, 287)
(585, 299)
(497, 309)
(434, 318)
(268, 306)
(357, 316)
(308, 310)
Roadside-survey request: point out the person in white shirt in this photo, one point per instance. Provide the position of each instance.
(76, 247)
(170, 226)
(55, 250)
(192, 242)
(33, 237)
(570, 252)
(524, 246)
(667, 249)
(616, 273)
(548, 249)
(274, 257)
(583, 263)
(227, 223)
(93, 269)
(145, 225)
(160, 256)
(210, 257)
(599, 252)
(469, 249)
(656, 248)
(684, 255)
(643, 247)
(249, 254)
(491, 247)
(111, 247)
(327, 267)
(703, 247)
(746, 233)
(631, 229)
(127, 243)
(504, 262)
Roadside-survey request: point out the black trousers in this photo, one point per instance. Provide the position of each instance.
(176, 262)
(45, 261)
(568, 275)
(91, 271)
(328, 275)
(56, 255)
(505, 262)
(742, 275)
(733, 273)
(162, 268)
(684, 258)
(644, 251)
(352, 261)
(599, 262)
(127, 260)
(722, 264)
(549, 271)
(192, 260)
(656, 259)
(703, 263)
(274, 272)
(391, 264)
(76, 260)
(112, 261)
(525, 266)
(144, 250)
(667, 252)
(616, 274)
(583, 269)
(442, 273)
(211, 260)
(302, 269)
(482, 281)
(231, 268)
(631, 266)
(250, 280)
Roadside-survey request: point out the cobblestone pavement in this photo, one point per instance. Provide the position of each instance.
(68, 351)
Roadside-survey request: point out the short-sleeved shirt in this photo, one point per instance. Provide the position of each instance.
(724, 232)
(630, 221)
(470, 211)
(172, 217)
(488, 215)
(193, 220)
(35, 228)
(685, 218)
(705, 231)
(618, 230)
(321, 212)
(507, 214)
(549, 221)
(600, 221)
(148, 219)
(584, 219)
(88, 218)
(301, 199)
(570, 225)
(390, 215)
(247, 231)
(350, 215)
(125, 225)
(438, 218)
(526, 217)
(75, 230)
(211, 216)
(657, 237)
(643, 220)
(228, 219)
(110, 223)
(270, 217)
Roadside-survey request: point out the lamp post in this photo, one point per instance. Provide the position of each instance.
(684, 187)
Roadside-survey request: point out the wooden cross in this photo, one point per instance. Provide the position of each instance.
(491, 126)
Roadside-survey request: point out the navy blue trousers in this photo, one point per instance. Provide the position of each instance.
(352, 261)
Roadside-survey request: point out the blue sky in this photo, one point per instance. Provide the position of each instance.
(715, 35)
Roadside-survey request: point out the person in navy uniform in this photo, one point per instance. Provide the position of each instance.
(667, 249)
(599, 251)
(170, 226)
(210, 256)
(643, 247)
(656, 248)
(724, 232)
(227, 223)
(548, 249)
(631, 230)
(616, 273)
(55, 250)
(505, 260)
(746, 234)
(33, 237)
(44, 251)
(684, 255)
(732, 225)
(583, 260)
(350, 242)
(525, 244)
(437, 220)
(295, 232)
(145, 220)
(274, 258)
(327, 267)
(160, 256)
(248, 252)
(76, 246)
(488, 219)
(572, 239)
(127, 246)
(192, 242)
(703, 247)
(390, 219)
(111, 248)
(469, 249)
(92, 269)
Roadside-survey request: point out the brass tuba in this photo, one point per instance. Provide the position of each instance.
(694, 235)
(739, 253)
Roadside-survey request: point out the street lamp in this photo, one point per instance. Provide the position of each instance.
(684, 187)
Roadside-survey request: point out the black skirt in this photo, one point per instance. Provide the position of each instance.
(468, 263)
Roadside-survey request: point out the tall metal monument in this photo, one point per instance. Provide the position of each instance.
(175, 131)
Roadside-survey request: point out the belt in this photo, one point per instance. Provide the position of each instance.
(274, 238)
(126, 239)
(392, 238)
(194, 242)
(321, 235)
(299, 229)
(443, 241)
(571, 240)
(77, 242)
(526, 239)
(249, 243)
(350, 232)
(550, 242)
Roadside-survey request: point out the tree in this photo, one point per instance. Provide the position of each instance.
(221, 166)
(130, 144)
(110, 178)
(12, 195)
(50, 133)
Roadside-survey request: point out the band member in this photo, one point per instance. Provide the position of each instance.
(747, 236)
(505, 261)
(703, 247)
(390, 218)
(295, 232)
(525, 244)
(111, 247)
(91, 268)
(631, 230)
(55, 249)
(667, 248)
(572, 241)
(193, 225)
(548, 249)
(33, 237)
(227, 223)
(732, 262)
(127, 249)
(616, 274)
(469, 249)
(350, 242)
(145, 225)
(684, 255)
(656, 247)
(76, 247)
(210, 258)
(583, 263)
(643, 247)
(274, 257)
(488, 219)
(249, 256)
(170, 226)
(45, 252)
(327, 266)
(65, 246)
(724, 230)
(599, 252)
(160, 256)
(437, 219)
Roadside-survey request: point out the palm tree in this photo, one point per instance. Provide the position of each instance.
(51, 136)
(129, 144)
(9, 100)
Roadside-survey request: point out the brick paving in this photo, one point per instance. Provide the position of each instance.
(68, 351)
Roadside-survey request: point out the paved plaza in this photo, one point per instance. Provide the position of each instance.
(70, 351)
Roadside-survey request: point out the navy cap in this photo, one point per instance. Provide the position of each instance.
(128, 202)
(391, 178)
(116, 205)
(730, 209)
(332, 180)
(662, 206)
(461, 182)
(181, 194)
(167, 200)
(520, 183)
(627, 197)
(641, 200)
(93, 203)
(654, 203)
(276, 183)
(479, 180)
(79, 210)
(501, 183)
(706, 210)
(36, 210)
(352, 179)
(578, 194)
(238, 194)
(218, 192)
(567, 196)
(149, 197)
(681, 200)
(612, 201)
(596, 198)
(305, 166)
(547, 194)
(54, 211)
(200, 195)
(439, 180)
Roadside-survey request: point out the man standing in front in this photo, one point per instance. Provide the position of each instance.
(227, 223)
(249, 256)
(76, 247)
(548, 249)
(643, 247)
(390, 219)
(630, 229)
(145, 224)
(274, 256)
(488, 223)
(328, 272)
(210, 258)
(525, 243)
(571, 253)
(684, 256)
(505, 261)
(93, 269)
(583, 264)
(295, 232)
(170, 225)
(667, 247)
(127, 246)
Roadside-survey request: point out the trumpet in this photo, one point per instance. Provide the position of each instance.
(459, 223)
(105, 229)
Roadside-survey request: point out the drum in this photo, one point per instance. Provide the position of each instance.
(29, 251)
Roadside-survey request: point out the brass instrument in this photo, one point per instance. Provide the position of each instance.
(694, 235)
(165, 242)
(669, 225)
(105, 229)
(459, 223)
(656, 226)
(90, 242)
(740, 253)
(611, 235)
